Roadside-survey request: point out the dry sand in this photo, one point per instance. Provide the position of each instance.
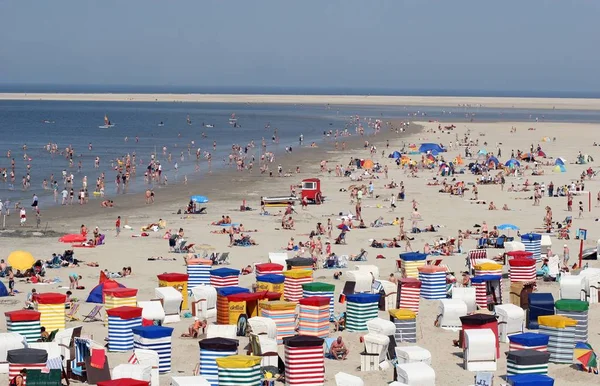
(375, 100)
(452, 213)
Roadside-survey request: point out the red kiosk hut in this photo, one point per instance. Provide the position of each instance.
(311, 190)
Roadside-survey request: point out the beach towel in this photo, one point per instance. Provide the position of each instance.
(98, 358)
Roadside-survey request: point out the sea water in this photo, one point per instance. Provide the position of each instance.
(137, 129)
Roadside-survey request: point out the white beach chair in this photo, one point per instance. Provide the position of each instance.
(279, 258)
(152, 310)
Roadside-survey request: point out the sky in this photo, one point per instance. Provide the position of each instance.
(387, 44)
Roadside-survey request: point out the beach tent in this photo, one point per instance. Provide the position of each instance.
(432, 148)
(559, 161)
(368, 164)
(493, 160)
(541, 154)
(559, 168)
(3, 290)
(512, 163)
(395, 155)
(96, 295)
(482, 152)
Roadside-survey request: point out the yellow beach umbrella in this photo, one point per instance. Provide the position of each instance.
(21, 260)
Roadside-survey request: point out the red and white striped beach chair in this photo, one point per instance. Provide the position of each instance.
(473, 255)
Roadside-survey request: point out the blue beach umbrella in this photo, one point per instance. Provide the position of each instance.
(199, 199)
(509, 227)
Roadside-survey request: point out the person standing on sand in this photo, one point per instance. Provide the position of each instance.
(401, 226)
(11, 282)
(118, 226)
(565, 255)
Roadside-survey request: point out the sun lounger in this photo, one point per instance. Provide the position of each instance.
(223, 258)
(94, 315)
(71, 313)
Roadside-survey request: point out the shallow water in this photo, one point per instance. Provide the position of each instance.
(76, 124)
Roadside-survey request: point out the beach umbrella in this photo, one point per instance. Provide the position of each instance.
(584, 353)
(368, 164)
(395, 155)
(199, 199)
(541, 154)
(509, 227)
(21, 260)
(559, 169)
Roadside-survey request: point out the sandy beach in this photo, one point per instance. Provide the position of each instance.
(371, 100)
(226, 190)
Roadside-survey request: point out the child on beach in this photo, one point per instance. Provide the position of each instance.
(118, 226)
(23, 216)
(11, 282)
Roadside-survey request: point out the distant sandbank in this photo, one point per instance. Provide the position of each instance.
(441, 101)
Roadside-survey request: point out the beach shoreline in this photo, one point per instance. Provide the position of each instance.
(222, 185)
(369, 100)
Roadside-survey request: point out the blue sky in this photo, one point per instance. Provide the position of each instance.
(411, 44)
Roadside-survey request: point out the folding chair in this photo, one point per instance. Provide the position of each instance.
(71, 314)
(188, 248)
(94, 315)
(223, 258)
(362, 256)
